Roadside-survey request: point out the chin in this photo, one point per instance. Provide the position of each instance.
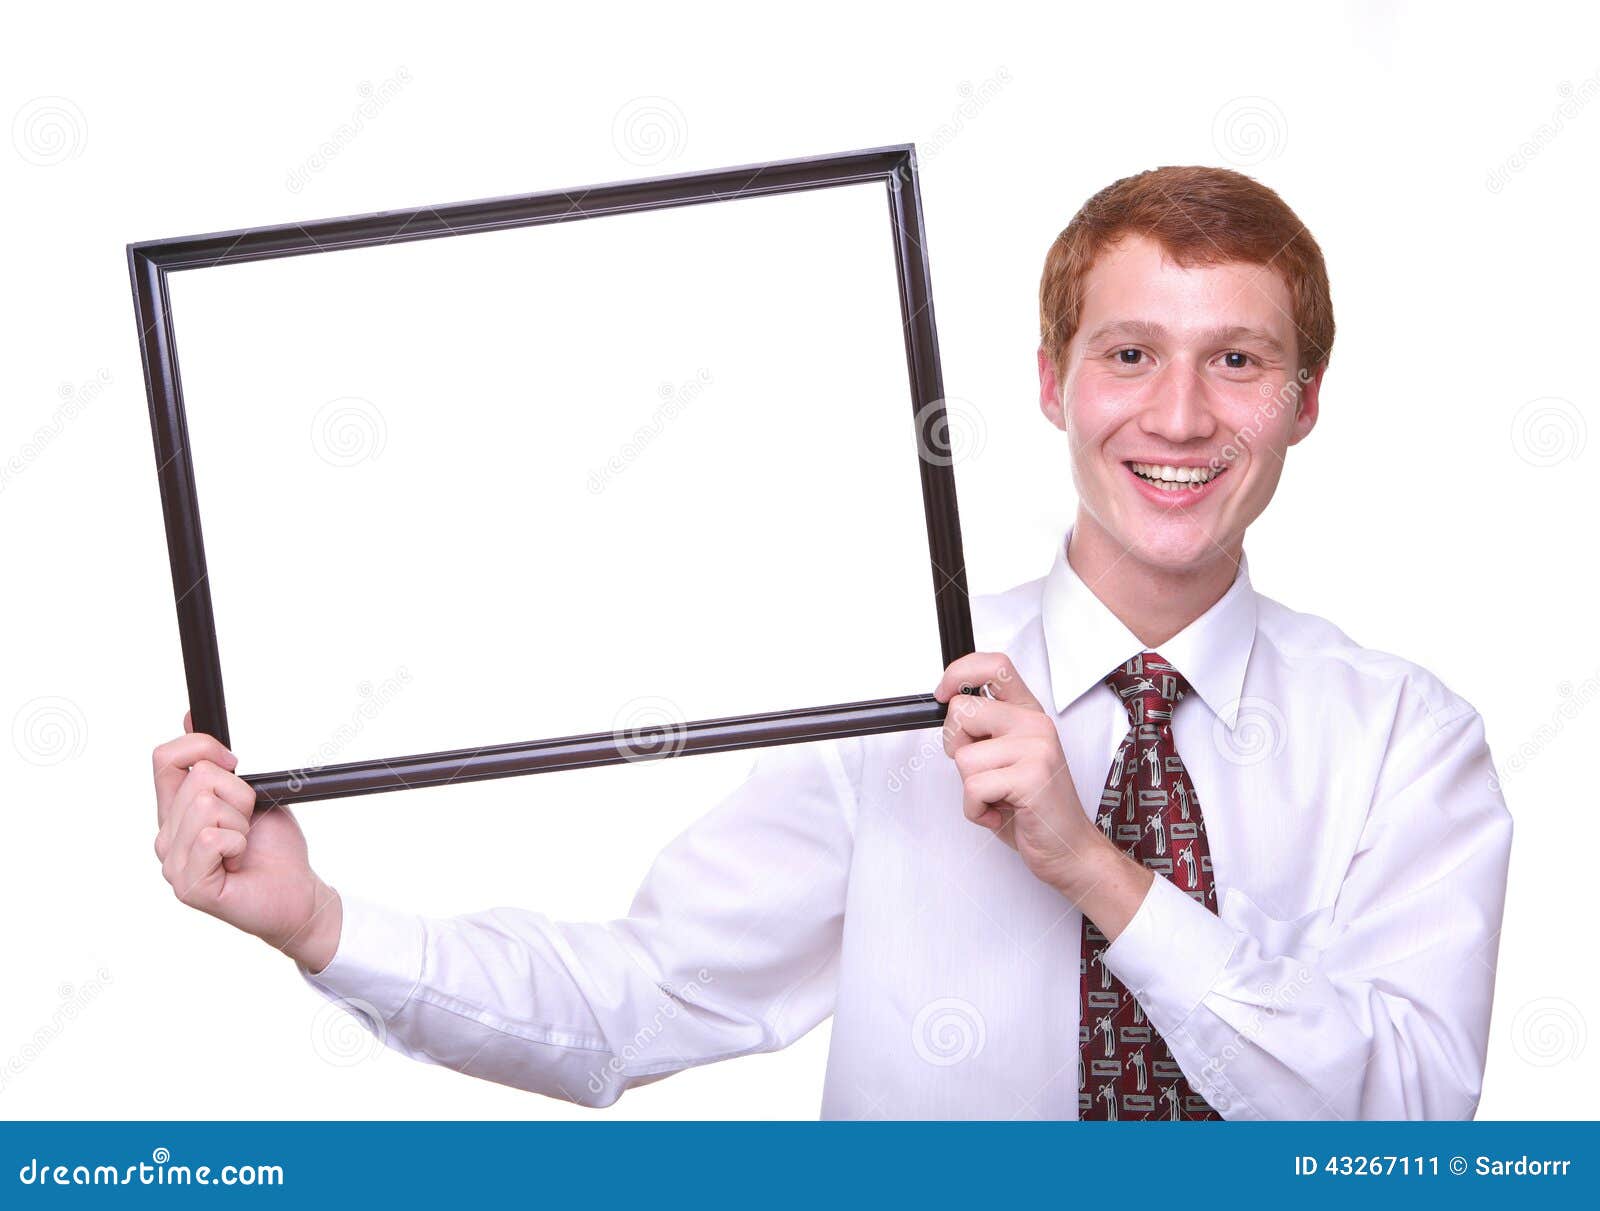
(1175, 542)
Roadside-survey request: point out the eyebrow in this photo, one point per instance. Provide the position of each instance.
(1147, 330)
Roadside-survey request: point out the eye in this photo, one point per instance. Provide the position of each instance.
(1129, 357)
(1235, 360)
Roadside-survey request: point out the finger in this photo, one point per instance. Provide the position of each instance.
(985, 797)
(982, 755)
(993, 669)
(201, 874)
(970, 719)
(204, 810)
(188, 721)
(205, 781)
(223, 783)
(171, 762)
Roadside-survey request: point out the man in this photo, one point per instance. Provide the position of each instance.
(1226, 863)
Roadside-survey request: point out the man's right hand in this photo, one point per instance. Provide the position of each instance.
(223, 857)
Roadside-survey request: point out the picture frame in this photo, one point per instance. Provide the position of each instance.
(151, 262)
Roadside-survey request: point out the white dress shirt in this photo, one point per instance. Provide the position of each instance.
(1360, 845)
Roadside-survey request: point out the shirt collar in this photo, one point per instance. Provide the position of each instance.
(1085, 640)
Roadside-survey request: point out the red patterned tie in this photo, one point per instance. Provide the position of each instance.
(1148, 807)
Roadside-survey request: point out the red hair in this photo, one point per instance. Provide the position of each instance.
(1200, 216)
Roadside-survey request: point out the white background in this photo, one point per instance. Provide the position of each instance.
(1445, 158)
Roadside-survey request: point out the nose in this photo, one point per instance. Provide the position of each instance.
(1177, 408)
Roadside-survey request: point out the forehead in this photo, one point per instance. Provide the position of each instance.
(1136, 280)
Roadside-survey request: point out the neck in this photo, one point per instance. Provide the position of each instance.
(1154, 603)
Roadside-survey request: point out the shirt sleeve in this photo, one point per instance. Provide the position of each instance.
(1375, 1008)
(730, 947)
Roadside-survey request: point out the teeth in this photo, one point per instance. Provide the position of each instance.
(1174, 478)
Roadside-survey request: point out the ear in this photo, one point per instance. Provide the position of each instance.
(1050, 392)
(1305, 417)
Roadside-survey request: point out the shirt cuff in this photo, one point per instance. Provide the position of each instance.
(379, 959)
(1171, 953)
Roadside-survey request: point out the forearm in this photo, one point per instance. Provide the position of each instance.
(583, 1011)
(579, 1012)
(1104, 883)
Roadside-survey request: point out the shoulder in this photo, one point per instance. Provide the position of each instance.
(1313, 652)
(1001, 618)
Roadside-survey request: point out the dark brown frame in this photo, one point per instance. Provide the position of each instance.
(150, 262)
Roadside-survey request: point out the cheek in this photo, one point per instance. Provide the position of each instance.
(1257, 431)
(1095, 412)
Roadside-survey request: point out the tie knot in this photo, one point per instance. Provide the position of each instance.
(1148, 686)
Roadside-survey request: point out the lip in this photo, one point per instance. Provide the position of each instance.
(1183, 498)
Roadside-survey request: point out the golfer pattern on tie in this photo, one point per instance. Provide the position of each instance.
(1148, 807)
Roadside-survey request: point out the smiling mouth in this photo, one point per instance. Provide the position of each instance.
(1174, 479)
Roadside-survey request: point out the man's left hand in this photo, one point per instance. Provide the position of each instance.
(1017, 785)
